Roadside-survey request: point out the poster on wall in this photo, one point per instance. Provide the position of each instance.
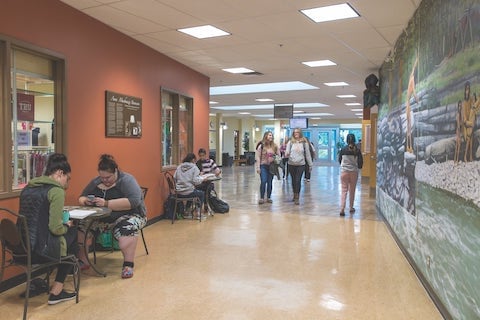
(123, 115)
(25, 107)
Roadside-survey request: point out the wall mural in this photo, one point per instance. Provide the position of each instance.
(428, 167)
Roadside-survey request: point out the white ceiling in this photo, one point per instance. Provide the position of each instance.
(268, 36)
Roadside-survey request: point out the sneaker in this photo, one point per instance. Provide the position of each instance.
(62, 296)
(269, 200)
(308, 180)
(127, 272)
(342, 213)
(261, 201)
(352, 210)
(201, 218)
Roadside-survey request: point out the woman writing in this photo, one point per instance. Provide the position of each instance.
(187, 179)
(120, 192)
(298, 154)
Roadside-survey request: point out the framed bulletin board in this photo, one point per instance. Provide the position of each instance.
(123, 115)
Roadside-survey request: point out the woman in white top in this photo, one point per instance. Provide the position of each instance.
(298, 154)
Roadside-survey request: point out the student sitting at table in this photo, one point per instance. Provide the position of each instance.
(187, 178)
(41, 202)
(206, 166)
(120, 192)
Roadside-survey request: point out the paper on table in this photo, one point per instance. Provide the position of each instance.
(208, 175)
(80, 214)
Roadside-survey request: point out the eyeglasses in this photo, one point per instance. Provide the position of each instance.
(108, 178)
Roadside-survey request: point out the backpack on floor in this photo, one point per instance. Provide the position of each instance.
(216, 204)
(168, 206)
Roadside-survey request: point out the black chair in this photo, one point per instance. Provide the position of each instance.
(195, 202)
(144, 194)
(16, 252)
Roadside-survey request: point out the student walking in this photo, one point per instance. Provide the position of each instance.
(351, 161)
(264, 157)
(298, 154)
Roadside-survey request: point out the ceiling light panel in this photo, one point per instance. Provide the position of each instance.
(319, 63)
(336, 84)
(203, 32)
(330, 13)
(238, 70)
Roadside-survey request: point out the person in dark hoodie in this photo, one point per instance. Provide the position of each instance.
(187, 178)
(42, 201)
(351, 161)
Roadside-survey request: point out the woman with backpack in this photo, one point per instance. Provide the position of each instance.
(298, 153)
(351, 161)
(264, 156)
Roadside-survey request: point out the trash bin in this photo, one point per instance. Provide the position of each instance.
(226, 160)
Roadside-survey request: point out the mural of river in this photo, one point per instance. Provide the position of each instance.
(453, 223)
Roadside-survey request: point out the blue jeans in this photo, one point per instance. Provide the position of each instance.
(266, 179)
(195, 193)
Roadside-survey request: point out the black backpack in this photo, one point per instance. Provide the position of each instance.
(216, 204)
(168, 206)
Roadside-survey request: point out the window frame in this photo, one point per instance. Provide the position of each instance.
(7, 46)
(178, 103)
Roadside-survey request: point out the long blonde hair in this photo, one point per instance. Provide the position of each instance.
(266, 143)
(301, 139)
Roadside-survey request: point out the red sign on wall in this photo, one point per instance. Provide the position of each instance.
(25, 107)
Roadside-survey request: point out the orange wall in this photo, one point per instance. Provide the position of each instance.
(99, 58)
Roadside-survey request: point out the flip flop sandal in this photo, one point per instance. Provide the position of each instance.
(127, 272)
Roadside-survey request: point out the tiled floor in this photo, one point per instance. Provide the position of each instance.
(270, 261)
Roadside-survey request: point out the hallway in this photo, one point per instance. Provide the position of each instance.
(270, 261)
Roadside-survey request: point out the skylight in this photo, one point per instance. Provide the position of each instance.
(261, 87)
(330, 13)
(203, 32)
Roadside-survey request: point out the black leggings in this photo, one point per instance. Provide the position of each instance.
(296, 172)
(72, 248)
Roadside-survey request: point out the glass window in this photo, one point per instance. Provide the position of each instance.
(177, 121)
(30, 111)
